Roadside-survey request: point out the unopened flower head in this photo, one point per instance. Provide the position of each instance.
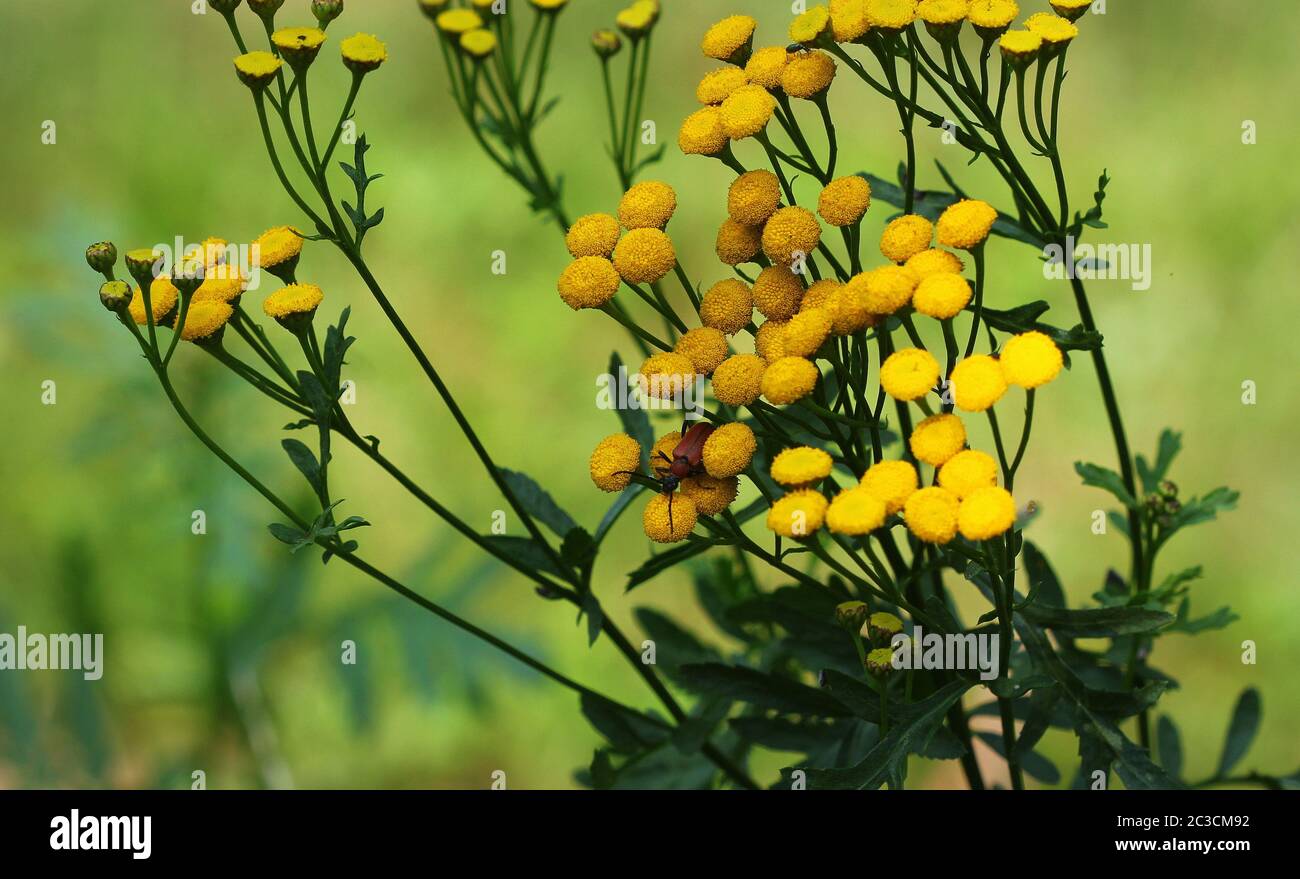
(266, 9)
(647, 205)
(116, 296)
(363, 53)
(880, 661)
(606, 43)
(882, 626)
(849, 615)
(102, 257)
(326, 11)
(737, 243)
(727, 306)
(643, 256)
(144, 263)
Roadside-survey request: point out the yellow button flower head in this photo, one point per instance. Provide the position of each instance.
(765, 66)
(880, 661)
(934, 262)
(769, 341)
(966, 224)
(667, 374)
(606, 43)
(992, 17)
(612, 457)
(1030, 359)
(212, 251)
(790, 233)
(298, 45)
(588, 282)
(909, 374)
(664, 447)
(968, 470)
(849, 312)
(883, 625)
(705, 346)
(943, 18)
(592, 235)
(204, 321)
(294, 303)
(789, 380)
(777, 293)
(702, 134)
(798, 514)
(644, 255)
(891, 15)
(163, 297)
(478, 44)
(739, 380)
(849, 20)
(844, 200)
(753, 197)
(432, 8)
(656, 520)
(938, 438)
(1055, 30)
(805, 332)
(221, 284)
(727, 306)
(942, 296)
(458, 21)
(809, 26)
(1071, 10)
(543, 5)
(931, 514)
(647, 205)
(891, 481)
(728, 450)
(278, 247)
(1019, 47)
(986, 513)
(820, 294)
(256, 69)
(888, 288)
(711, 496)
(808, 74)
(802, 465)
(717, 84)
(977, 383)
(746, 111)
(905, 237)
(737, 242)
(730, 39)
(855, 511)
(637, 19)
(363, 53)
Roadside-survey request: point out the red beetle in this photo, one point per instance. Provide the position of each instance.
(686, 461)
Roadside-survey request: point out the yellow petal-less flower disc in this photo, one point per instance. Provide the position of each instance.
(1030, 359)
(738, 380)
(293, 299)
(849, 312)
(777, 293)
(212, 251)
(808, 74)
(667, 374)
(977, 383)
(647, 205)
(753, 197)
(702, 133)
(934, 262)
(942, 12)
(968, 470)
(661, 527)
(966, 224)
(661, 453)
(729, 37)
(298, 45)
(820, 294)
(887, 288)
(790, 233)
(844, 200)
(163, 297)
(588, 282)
(478, 43)
(728, 450)
(810, 25)
(798, 514)
(905, 236)
(892, 15)
(766, 65)
(1019, 46)
(705, 346)
(1071, 10)
(718, 84)
(789, 380)
(848, 20)
(727, 306)
(737, 243)
(938, 438)
(611, 461)
(363, 52)
(204, 320)
(1054, 29)
(278, 246)
(855, 511)
(592, 235)
(636, 20)
(931, 514)
(458, 21)
(891, 481)
(256, 69)
(986, 513)
(993, 15)
(711, 496)
(746, 111)
(643, 256)
(909, 374)
(542, 5)
(221, 284)
(941, 296)
(802, 465)
(769, 341)
(805, 332)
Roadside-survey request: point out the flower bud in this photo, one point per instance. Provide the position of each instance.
(326, 11)
(606, 43)
(115, 296)
(187, 276)
(850, 615)
(884, 626)
(143, 264)
(431, 8)
(101, 257)
(880, 661)
(225, 7)
(266, 9)
(299, 45)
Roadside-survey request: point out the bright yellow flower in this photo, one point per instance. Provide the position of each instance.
(805, 332)
(728, 38)
(647, 205)
(942, 12)
(702, 133)
(986, 513)
(790, 233)
(891, 15)
(848, 20)
(891, 481)
(727, 306)
(663, 448)
(931, 514)
(968, 470)
(977, 383)
(820, 294)
(667, 374)
(934, 262)
(660, 526)
(769, 341)
(718, 84)
(256, 69)
(966, 224)
(909, 374)
(777, 293)
(205, 320)
(292, 300)
(938, 438)
(478, 43)
(807, 74)
(905, 237)
(738, 381)
(298, 45)
(1030, 360)
(592, 235)
(855, 511)
(1071, 9)
(1054, 29)
(941, 296)
(753, 197)
(801, 465)
(765, 66)
(746, 111)
(737, 242)
(458, 21)
(798, 514)
(810, 25)
(705, 346)
(163, 297)
(728, 450)
(588, 282)
(789, 380)
(611, 461)
(278, 246)
(710, 496)
(1019, 47)
(222, 284)
(887, 288)
(843, 201)
(993, 15)
(849, 311)
(643, 256)
(363, 52)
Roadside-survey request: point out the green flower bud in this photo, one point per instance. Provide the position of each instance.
(850, 615)
(884, 626)
(101, 257)
(431, 8)
(880, 661)
(115, 296)
(606, 43)
(225, 7)
(265, 9)
(326, 10)
(143, 264)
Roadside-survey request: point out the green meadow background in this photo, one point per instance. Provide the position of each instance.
(223, 650)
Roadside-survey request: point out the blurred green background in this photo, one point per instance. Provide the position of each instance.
(223, 649)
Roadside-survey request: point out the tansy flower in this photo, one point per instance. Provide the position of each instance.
(848, 20)
(363, 52)
(478, 43)
(746, 111)
(702, 133)
(293, 301)
(1071, 10)
(941, 296)
(855, 511)
(938, 438)
(934, 262)
(588, 282)
(727, 306)
(849, 312)
(991, 17)
(540, 5)
(143, 263)
(256, 69)
(102, 257)
(891, 15)
(1020, 47)
(737, 243)
(729, 39)
(656, 519)
(986, 513)
(116, 296)
(850, 615)
(705, 346)
(883, 626)
(943, 18)
(666, 374)
(1055, 30)
(298, 45)
(163, 297)
(592, 235)
(820, 295)
(909, 374)
(789, 380)
(810, 25)
(801, 465)
(766, 66)
(977, 383)
(891, 481)
(968, 470)
(931, 514)
(662, 450)
(613, 460)
(212, 251)
(1030, 359)
(966, 224)
(643, 256)
(458, 21)
(204, 321)
(606, 43)
(769, 341)
(431, 8)
(738, 381)
(887, 288)
(777, 293)
(753, 197)
(805, 332)
(790, 233)
(717, 84)
(880, 661)
(711, 496)
(647, 205)
(798, 514)
(279, 246)
(905, 236)
(843, 201)
(222, 284)
(807, 74)
(728, 450)
(635, 20)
